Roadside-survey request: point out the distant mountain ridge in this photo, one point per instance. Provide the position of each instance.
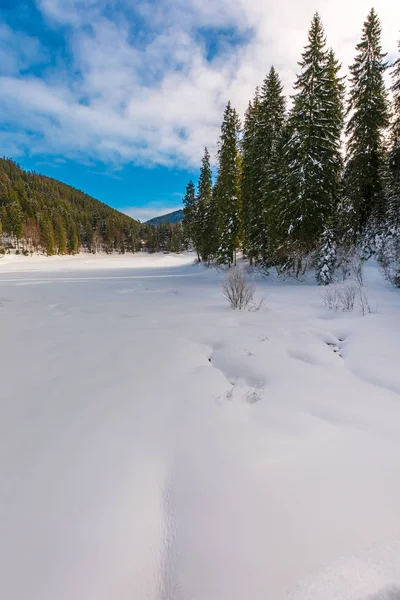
(173, 217)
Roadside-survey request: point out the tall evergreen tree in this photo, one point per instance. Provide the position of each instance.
(394, 155)
(211, 231)
(326, 255)
(205, 217)
(309, 181)
(227, 187)
(189, 212)
(368, 110)
(388, 246)
(250, 180)
(335, 95)
(264, 123)
(267, 149)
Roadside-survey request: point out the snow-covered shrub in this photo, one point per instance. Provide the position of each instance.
(347, 295)
(326, 258)
(237, 288)
(342, 296)
(330, 297)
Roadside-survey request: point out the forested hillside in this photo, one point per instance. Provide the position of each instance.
(38, 213)
(314, 182)
(173, 217)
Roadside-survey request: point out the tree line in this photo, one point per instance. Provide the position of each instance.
(163, 237)
(311, 185)
(41, 214)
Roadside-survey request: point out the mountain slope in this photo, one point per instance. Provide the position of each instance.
(172, 217)
(38, 213)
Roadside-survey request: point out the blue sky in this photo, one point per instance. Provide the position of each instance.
(119, 97)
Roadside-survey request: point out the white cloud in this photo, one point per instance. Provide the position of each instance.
(152, 97)
(149, 212)
(18, 51)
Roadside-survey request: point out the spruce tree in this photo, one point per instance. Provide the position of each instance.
(250, 181)
(189, 210)
(309, 179)
(210, 228)
(227, 187)
(394, 154)
(327, 253)
(269, 130)
(205, 226)
(334, 94)
(388, 250)
(368, 111)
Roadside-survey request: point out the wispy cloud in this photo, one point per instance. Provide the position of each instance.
(140, 85)
(19, 51)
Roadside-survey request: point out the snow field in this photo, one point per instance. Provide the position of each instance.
(11, 263)
(156, 445)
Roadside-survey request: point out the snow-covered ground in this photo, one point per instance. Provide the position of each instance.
(155, 445)
(85, 261)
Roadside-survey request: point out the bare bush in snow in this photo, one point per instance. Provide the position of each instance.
(347, 295)
(343, 296)
(237, 289)
(330, 297)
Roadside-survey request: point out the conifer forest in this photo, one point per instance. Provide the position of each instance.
(309, 182)
(41, 214)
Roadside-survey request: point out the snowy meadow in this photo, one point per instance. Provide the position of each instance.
(157, 445)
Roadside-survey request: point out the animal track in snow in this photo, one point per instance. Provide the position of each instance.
(247, 394)
(253, 396)
(335, 347)
(336, 344)
(244, 369)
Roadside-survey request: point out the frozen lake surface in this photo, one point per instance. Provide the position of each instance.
(155, 445)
